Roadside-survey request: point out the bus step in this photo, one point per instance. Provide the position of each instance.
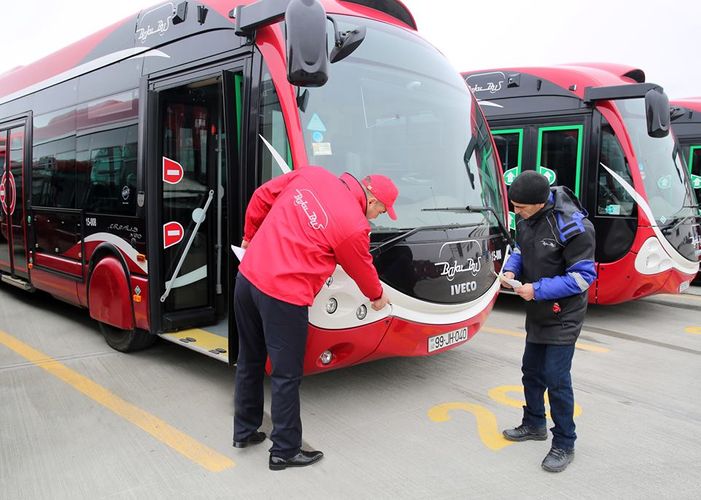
(24, 285)
(197, 339)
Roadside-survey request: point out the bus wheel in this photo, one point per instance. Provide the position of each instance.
(126, 340)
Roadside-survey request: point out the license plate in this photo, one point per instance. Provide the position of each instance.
(447, 339)
(683, 286)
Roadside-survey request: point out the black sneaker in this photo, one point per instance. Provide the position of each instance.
(301, 459)
(526, 432)
(557, 459)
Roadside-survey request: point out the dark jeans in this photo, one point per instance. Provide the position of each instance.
(547, 366)
(269, 327)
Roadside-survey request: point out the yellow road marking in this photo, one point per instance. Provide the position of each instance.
(511, 333)
(165, 433)
(500, 395)
(486, 422)
(694, 330)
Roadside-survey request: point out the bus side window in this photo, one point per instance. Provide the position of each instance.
(509, 149)
(107, 171)
(560, 154)
(272, 127)
(612, 198)
(54, 155)
(695, 169)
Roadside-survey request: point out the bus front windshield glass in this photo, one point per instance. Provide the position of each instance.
(661, 166)
(396, 107)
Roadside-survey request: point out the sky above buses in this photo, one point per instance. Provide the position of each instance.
(659, 37)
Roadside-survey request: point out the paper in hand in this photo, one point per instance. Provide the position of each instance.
(238, 251)
(511, 282)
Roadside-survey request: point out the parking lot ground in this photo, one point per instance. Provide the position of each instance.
(78, 420)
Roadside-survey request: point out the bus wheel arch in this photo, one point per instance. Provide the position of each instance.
(110, 303)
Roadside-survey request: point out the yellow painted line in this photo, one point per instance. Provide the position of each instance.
(486, 422)
(204, 339)
(500, 395)
(511, 333)
(694, 330)
(501, 331)
(165, 433)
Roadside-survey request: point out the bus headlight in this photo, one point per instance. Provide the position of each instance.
(326, 357)
(361, 312)
(331, 305)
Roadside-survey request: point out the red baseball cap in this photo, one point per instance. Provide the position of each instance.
(384, 190)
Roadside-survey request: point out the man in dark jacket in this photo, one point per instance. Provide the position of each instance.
(298, 227)
(554, 260)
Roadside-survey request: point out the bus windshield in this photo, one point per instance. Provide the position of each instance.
(396, 107)
(661, 166)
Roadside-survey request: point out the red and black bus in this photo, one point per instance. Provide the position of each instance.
(686, 125)
(602, 131)
(128, 159)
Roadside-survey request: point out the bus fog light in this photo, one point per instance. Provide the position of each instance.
(331, 305)
(361, 312)
(326, 357)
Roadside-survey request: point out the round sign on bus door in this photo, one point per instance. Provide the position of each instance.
(173, 233)
(6, 194)
(172, 171)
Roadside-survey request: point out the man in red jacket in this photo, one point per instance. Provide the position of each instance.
(298, 227)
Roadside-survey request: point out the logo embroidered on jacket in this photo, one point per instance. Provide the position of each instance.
(312, 208)
(547, 242)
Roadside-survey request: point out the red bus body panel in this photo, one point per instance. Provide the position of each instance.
(390, 337)
(108, 295)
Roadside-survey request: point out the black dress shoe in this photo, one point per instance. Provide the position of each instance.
(301, 459)
(525, 432)
(255, 438)
(557, 459)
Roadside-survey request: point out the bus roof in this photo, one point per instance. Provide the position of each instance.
(575, 77)
(692, 103)
(146, 30)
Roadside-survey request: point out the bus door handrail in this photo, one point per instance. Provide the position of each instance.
(198, 223)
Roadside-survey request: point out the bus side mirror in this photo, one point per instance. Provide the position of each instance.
(306, 44)
(346, 43)
(657, 113)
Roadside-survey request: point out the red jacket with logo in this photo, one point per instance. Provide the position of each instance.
(299, 226)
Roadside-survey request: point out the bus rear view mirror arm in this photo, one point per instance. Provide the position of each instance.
(305, 40)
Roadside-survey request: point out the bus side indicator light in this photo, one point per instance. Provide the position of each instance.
(140, 257)
(137, 298)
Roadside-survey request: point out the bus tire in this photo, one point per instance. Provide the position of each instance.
(126, 340)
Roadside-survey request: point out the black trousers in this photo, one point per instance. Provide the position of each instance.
(269, 327)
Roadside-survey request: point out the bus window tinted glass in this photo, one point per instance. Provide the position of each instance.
(560, 155)
(272, 127)
(695, 169)
(509, 148)
(612, 198)
(53, 168)
(106, 171)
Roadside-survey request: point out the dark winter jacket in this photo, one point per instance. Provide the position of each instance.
(555, 252)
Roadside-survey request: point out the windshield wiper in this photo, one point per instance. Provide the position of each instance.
(472, 208)
(386, 245)
(670, 228)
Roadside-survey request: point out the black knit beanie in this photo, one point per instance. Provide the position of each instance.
(530, 188)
